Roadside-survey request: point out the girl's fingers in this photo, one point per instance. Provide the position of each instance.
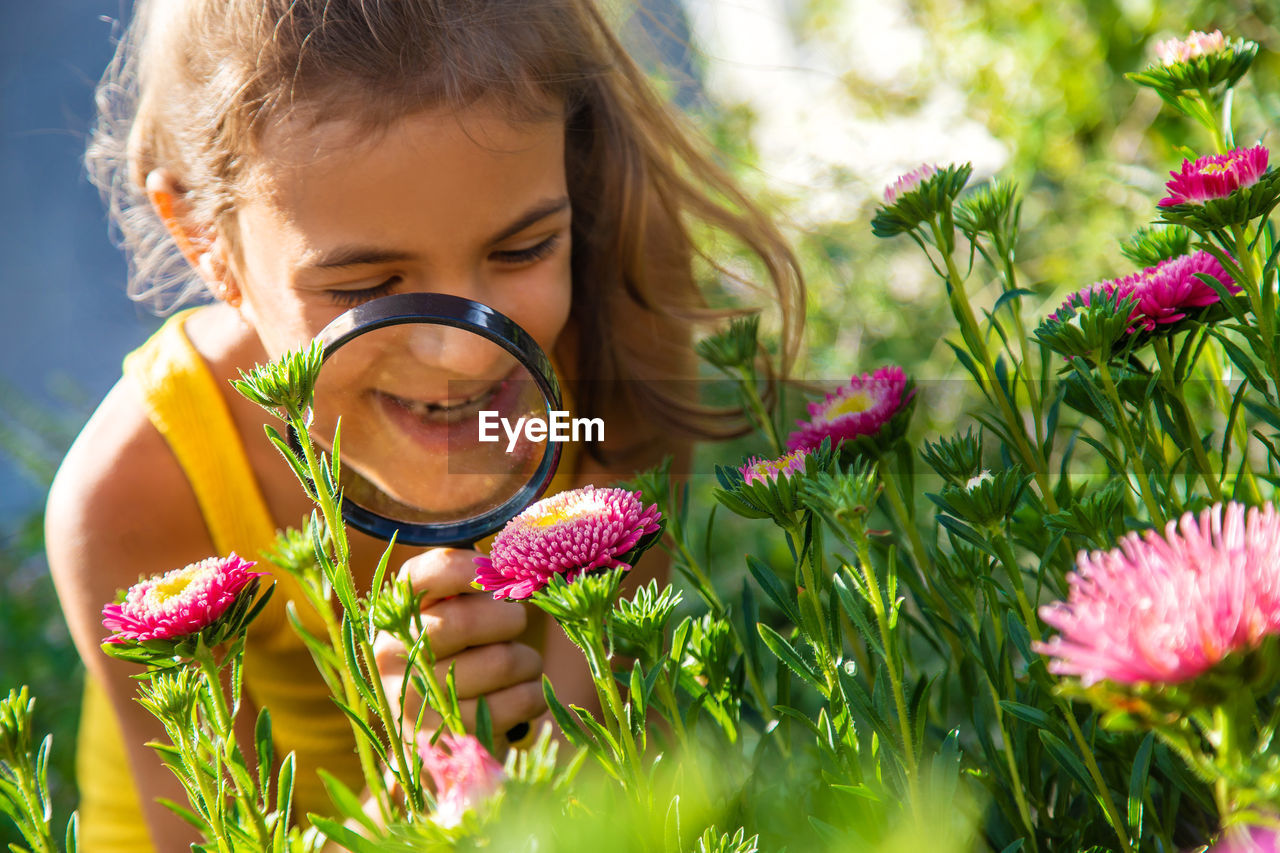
(491, 669)
(519, 703)
(441, 572)
(469, 621)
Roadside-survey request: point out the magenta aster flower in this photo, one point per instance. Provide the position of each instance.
(769, 470)
(1164, 293)
(180, 602)
(908, 182)
(1166, 609)
(463, 772)
(1215, 176)
(569, 533)
(860, 408)
(1194, 45)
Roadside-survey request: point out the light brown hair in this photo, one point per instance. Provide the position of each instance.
(195, 83)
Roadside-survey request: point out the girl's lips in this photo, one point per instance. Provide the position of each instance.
(442, 411)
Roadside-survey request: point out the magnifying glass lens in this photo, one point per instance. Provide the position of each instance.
(434, 422)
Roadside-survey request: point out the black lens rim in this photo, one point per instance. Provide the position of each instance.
(457, 312)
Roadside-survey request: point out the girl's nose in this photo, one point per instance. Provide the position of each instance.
(457, 351)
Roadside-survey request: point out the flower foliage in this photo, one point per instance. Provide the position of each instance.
(212, 599)
(1215, 176)
(286, 384)
(1150, 245)
(567, 534)
(1220, 191)
(1154, 297)
(463, 772)
(873, 407)
(918, 197)
(1201, 61)
(1165, 609)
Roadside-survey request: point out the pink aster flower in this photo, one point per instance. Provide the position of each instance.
(1215, 176)
(570, 533)
(1251, 839)
(180, 602)
(1164, 293)
(1196, 44)
(769, 470)
(463, 772)
(862, 407)
(1165, 609)
(908, 182)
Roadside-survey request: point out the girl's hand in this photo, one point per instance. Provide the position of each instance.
(474, 634)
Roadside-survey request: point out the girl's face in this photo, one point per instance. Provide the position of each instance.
(464, 203)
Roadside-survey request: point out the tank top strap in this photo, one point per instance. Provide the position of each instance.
(185, 404)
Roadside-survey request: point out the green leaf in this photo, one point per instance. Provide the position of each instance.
(346, 801)
(484, 724)
(566, 720)
(266, 752)
(1027, 714)
(788, 655)
(773, 588)
(284, 788)
(1066, 759)
(1138, 784)
(338, 833)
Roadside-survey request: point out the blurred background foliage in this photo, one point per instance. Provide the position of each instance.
(1043, 81)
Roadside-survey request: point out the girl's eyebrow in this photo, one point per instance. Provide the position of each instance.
(353, 256)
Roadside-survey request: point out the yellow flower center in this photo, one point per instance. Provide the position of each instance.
(1215, 168)
(558, 512)
(853, 404)
(172, 585)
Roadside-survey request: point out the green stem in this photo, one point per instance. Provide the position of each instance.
(1135, 461)
(607, 689)
(1031, 456)
(1010, 563)
(351, 694)
(1024, 343)
(1019, 795)
(212, 803)
(1174, 387)
(898, 505)
(708, 593)
(1214, 369)
(893, 663)
(226, 739)
(747, 383)
(42, 841)
(1091, 763)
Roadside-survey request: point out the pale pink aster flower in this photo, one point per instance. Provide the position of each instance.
(1196, 44)
(1163, 293)
(769, 470)
(1215, 176)
(862, 407)
(1252, 839)
(569, 533)
(1165, 609)
(908, 182)
(463, 773)
(180, 602)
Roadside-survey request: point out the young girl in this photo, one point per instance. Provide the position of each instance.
(293, 158)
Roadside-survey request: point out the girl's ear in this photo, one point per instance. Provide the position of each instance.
(203, 250)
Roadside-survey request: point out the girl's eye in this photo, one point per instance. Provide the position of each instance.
(355, 297)
(533, 253)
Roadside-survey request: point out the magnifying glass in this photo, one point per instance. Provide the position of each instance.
(428, 387)
(433, 392)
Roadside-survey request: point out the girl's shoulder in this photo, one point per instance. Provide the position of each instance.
(121, 504)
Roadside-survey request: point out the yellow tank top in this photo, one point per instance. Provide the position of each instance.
(186, 406)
